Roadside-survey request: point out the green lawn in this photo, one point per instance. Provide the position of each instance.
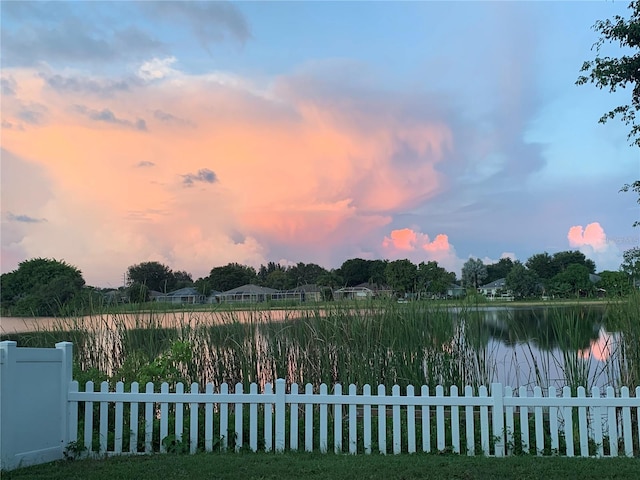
(245, 466)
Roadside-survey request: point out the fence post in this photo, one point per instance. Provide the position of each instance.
(497, 395)
(281, 387)
(66, 377)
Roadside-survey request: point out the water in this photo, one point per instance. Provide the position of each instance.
(516, 346)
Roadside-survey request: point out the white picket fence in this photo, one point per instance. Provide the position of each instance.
(301, 420)
(44, 415)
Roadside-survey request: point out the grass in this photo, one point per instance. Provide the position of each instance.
(357, 342)
(263, 466)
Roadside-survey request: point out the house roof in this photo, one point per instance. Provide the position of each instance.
(501, 282)
(373, 287)
(184, 292)
(307, 288)
(250, 289)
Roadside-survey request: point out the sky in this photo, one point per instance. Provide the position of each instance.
(198, 134)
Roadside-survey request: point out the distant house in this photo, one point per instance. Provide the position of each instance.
(493, 289)
(187, 295)
(351, 293)
(310, 292)
(154, 295)
(247, 294)
(362, 291)
(456, 291)
(302, 293)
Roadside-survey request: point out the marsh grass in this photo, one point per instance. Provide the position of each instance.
(419, 343)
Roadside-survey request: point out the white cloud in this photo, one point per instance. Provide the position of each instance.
(157, 68)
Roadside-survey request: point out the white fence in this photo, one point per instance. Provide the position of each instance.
(497, 422)
(491, 424)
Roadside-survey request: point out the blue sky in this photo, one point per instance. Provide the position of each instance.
(197, 134)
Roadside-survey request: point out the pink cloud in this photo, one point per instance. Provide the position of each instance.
(418, 247)
(592, 241)
(288, 171)
(593, 236)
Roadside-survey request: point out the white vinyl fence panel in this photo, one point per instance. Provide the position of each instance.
(496, 423)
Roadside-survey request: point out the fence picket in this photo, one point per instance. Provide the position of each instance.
(382, 422)
(193, 419)
(411, 422)
(293, 437)
(612, 423)
(524, 421)
(426, 421)
(469, 422)
(337, 420)
(208, 420)
(72, 420)
(553, 422)
(104, 418)
(366, 433)
(179, 408)
(497, 396)
(308, 420)
(133, 420)
(568, 422)
(484, 422)
(88, 418)
(596, 423)
(538, 422)
(353, 421)
(148, 421)
(117, 448)
(582, 425)
(253, 420)
(440, 439)
(268, 420)
(281, 408)
(323, 419)
(397, 445)
(224, 419)
(455, 421)
(638, 412)
(237, 411)
(626, 424)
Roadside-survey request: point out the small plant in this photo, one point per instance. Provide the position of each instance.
(74, 450)
(174, 445)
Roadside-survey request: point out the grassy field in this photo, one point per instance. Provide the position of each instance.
(264, 466)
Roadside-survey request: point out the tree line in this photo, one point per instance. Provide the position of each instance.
(49, 287)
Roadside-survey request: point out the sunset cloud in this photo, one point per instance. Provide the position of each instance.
(192, 134)
(592, 241)
(418, 247)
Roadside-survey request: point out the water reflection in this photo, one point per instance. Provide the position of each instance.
(514, 346)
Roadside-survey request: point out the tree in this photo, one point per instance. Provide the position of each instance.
(562, 260)
(615, 284)
(42, 287)
(305, 273)
(182, 279)
(401, 276)
(499, 270)
(614, 73)
(547, 266)
(231, 276)
(153, 275)
(572, 281)
(354, 271)
(542, 264)
(434, 279)
(522, 281)
(473, 272)
(631, 263)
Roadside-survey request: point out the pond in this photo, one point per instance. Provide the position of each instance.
(403, 344)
